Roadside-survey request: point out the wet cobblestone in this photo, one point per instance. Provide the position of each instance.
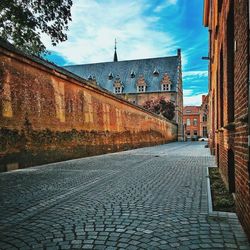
(149, 198)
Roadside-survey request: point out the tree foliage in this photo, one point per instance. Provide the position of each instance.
(23, 21)
(161, 107)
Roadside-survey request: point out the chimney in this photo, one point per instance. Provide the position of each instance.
(179, 52)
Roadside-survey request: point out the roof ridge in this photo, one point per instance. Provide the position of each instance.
(142, 59)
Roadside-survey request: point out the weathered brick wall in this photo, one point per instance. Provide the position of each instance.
(221, 90)
(241, 78)
(49, 115)
(141, 98)
(203, 115)
(229, 78)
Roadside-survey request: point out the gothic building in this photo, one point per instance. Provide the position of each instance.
(139, 80)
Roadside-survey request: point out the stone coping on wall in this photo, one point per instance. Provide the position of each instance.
(9, 50)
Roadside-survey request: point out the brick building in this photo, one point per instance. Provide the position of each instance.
(228, 24)
(191, 121)
(195, 120)
(139, 80)
(204, 116)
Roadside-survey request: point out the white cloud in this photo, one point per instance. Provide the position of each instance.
(193, 99)
(96, 24)
(187, 92)
(164, 5)
(197, 73)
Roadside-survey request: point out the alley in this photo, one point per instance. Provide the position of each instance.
(148, 198)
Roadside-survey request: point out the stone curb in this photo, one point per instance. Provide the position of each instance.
(211, 212)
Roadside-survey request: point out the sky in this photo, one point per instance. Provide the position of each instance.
(143, 29)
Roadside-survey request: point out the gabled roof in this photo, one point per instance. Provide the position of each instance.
(130, 71)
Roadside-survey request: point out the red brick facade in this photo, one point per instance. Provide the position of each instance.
(228, 23)
(195, 120)
(191, 120)
(48, 114)
(204, 117)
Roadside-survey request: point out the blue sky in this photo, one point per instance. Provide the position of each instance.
(143, 29)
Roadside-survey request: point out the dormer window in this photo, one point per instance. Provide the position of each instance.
(156, 72)
(90, 77)
(141, 88)
(166, 87)
(118, 86)
(132, 74)
(111, 76)
(118, 90)
(141, 84)
(166, 83)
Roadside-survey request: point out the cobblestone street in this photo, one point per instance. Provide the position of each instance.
(148, 198)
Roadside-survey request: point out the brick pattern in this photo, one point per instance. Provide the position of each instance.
(42, 109)
(241, 111)
(229, 65)
(192, 128)
(203, 116)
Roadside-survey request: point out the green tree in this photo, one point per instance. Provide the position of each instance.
(161, 107)
(23, 21)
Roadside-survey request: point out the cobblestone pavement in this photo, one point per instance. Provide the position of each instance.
(149, 198)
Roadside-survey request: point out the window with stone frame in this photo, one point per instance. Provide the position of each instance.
(141, 88)
(118, 90)
(118, 86)
(166, 83)
(195, 122)
(166, 87)
(188, 122)
(141, 84)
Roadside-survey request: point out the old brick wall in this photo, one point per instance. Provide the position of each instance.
(229, 66)
(241, 78)
(176, 98)
(47, 114)
(203, 116)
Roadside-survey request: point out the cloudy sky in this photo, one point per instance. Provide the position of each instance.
(143, 29)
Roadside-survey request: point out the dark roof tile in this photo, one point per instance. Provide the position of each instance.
(140, 67)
